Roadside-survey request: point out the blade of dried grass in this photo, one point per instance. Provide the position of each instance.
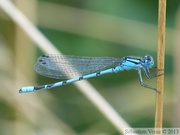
(160, 63)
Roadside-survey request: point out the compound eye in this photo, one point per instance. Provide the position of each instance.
(148, 61)
(148, 58)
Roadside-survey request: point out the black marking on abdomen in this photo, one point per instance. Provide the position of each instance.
(98, 73)
(81, 78)
(39, 87)
(64, 82)
(48, 86)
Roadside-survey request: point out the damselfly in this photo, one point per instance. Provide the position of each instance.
(76, 68)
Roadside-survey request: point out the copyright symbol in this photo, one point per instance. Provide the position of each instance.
(164, 131)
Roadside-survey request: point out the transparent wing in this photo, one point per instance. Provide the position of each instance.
(66, 66)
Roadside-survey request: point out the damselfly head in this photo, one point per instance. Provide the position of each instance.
(148, 61)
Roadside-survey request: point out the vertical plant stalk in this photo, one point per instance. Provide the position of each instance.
(160, 63)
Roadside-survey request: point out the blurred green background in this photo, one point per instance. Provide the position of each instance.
(113, 28)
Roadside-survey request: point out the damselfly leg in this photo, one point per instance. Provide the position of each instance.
(153, 72)
(142, 82)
